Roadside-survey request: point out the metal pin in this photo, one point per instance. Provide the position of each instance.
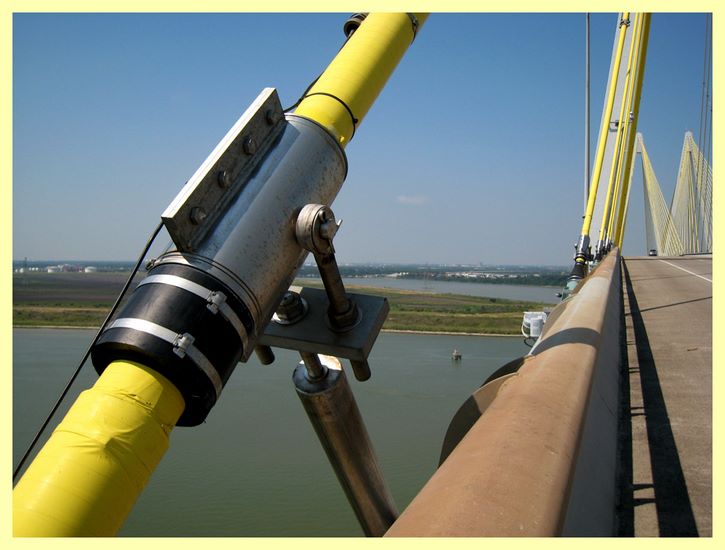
(264, 354)
(315, 369)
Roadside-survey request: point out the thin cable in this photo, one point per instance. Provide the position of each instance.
(705, 87)
(347, 108)
(88, 351)
(304, 94)
(587, 117)
(703, 152)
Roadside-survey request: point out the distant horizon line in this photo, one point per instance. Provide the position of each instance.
(361, 263)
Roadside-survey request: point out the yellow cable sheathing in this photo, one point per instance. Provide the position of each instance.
(622, 222)
(692, 201)
(629, 160)
(623, 132)
(358, 73)
(89, 474)
(667, 239)
(601, 145)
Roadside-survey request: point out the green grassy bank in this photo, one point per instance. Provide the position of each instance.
(83, 300)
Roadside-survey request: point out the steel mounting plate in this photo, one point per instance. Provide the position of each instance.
(314, 335)
(219, 179)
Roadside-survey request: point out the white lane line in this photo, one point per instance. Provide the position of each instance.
(687, 271)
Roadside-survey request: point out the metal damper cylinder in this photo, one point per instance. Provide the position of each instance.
(203, 306)
(333, 412)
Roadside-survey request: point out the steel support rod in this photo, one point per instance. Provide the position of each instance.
(340, 304)
(587, 82)
(315, 369)
(343, 312)
(334, 414)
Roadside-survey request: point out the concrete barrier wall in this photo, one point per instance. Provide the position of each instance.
(541, 459)
(591, 510)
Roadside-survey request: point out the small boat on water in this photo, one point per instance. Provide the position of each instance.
(456, 355)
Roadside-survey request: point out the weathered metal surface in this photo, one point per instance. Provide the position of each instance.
(252, 246)
(334, 414)
(472, 409)
(205, 197)
(513, 473)
(313, 333)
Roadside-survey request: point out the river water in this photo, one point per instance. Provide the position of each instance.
(544, 294)
(256, 468)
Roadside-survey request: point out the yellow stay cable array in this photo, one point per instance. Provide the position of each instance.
(621, 137)
(619, 210)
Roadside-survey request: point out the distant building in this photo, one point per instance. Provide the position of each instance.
(90, 269)
(54, 269)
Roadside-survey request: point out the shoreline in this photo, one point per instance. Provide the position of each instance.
(62, 327)
(445, 333)
(390, 330)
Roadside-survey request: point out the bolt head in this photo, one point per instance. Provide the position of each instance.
(224, 179)
(197, 215)
(249, 145)
(270, 116)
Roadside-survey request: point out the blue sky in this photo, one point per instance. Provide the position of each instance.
(472, 153)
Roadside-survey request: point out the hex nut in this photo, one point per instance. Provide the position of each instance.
(291, 309)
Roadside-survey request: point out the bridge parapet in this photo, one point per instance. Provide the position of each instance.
(541, 459)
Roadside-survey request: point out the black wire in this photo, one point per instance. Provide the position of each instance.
(88, 351)
(347, 108)
(304, 94)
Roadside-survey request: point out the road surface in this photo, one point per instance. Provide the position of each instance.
(667, 420)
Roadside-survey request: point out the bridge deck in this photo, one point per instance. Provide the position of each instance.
(667, 421)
